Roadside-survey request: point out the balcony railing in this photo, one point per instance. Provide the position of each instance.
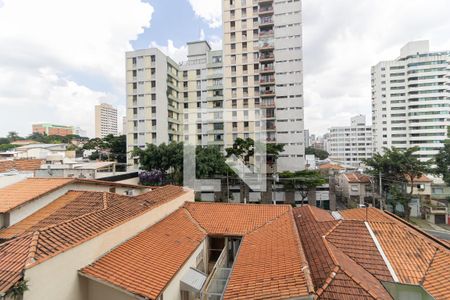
(266, 10)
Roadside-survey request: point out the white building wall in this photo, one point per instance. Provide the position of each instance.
(350, 144)
(411, 100)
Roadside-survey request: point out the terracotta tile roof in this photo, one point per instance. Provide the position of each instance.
(269, 264)
(336, 255)
(13, 256)
(320, 215)
(354, 240)
(27, 190)
(233, 219)
(331, 166)
(20, 165)
(437, 278)
(409, 254)
(311, 232)
(358, 275)
(415, 257)
(357, 178)
(359, 214)
(146, 263)
(51, 240)
(422, 178)
(30, 189)
(72, 204)
(341, 286)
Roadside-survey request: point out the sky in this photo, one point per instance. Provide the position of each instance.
(58, 58)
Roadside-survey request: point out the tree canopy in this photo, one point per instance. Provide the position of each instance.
(302, 181)
(442, 161)
(398, 168)
(319, 153)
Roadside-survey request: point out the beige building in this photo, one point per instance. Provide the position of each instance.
(202, 93)
(263, 88)
(153, 99)
(355, 188)
(105, 120)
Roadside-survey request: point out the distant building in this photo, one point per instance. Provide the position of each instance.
(42, 151)
(105, 120)
(350, 144)
(306, 136)
(410, 100)
(53, 129)
(153, 99)
(203, 89)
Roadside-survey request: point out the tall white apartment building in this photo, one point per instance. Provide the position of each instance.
(154, 112)
(350, 144)
(202, 95)
(411, 100)
(263, 70)
(105, 120)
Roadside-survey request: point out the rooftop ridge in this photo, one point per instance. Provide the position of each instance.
(305, 266)
(428, 268)
(194, 220)
(269, 220)
(33, 248)
(328, 281)
(349, 274)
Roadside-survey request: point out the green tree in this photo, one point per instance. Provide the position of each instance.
(442, 160)
(13, 136)
(320, 154)
(210, 162)
(166, 158)
(398, 168)
(302, 181)
(6, 147)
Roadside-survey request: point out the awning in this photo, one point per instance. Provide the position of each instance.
(193, 281)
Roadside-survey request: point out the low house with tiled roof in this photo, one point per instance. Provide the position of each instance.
(370, 254)
(208, 250)
(20, 165)
(50, 246)
(89, 245)
(354, 188)
(23, 198)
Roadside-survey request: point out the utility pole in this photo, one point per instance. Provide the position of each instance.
(381, 191)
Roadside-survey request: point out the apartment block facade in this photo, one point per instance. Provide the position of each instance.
(153, 99)
(105, 120)
(202, 95)
(350, 144)
(262, 47)
(411, 100)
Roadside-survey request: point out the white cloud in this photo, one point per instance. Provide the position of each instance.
(209, 10)
(343, 39)
(64, 56)
(177, 54)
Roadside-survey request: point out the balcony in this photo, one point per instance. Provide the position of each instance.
(266, 57)
(267, 33)
(267, 93)
(266, 21)
(265, 10)
(266, 45)
(267, 81)
(266, 69)
(264, 1)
